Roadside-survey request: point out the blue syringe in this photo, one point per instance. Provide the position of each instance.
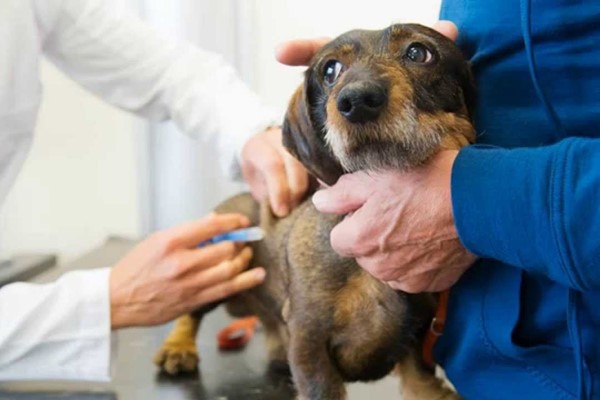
(252, 234)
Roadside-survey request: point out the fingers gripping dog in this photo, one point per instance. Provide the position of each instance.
(370, 100)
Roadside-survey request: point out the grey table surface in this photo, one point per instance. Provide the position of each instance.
(222, 375)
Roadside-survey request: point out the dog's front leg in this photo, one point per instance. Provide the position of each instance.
(314, 375)
(178, 354)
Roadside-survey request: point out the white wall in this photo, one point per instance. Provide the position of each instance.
(82, 179)
(79, 183)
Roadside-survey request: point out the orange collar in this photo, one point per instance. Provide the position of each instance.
(436, 328)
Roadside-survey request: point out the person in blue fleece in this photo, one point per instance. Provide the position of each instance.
(524, 318)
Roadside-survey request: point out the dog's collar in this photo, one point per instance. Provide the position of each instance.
(436, 328)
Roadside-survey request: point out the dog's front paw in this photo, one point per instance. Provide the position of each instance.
(177, 357)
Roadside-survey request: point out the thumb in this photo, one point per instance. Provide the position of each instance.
(300, 51)
(446, 28)
(347, 195)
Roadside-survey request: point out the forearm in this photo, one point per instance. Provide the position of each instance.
(58, 331)
(535, 208)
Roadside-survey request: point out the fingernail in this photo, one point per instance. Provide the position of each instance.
(277, 48)
(283, 210)
(319, 198)
(260, 274)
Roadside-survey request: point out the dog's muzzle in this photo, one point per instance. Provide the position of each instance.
(362, 101)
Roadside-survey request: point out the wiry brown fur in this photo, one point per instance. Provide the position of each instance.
(325, 316)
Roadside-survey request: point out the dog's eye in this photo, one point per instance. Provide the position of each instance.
(418, 53)
(331, 71)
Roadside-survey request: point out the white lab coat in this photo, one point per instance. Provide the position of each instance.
(62, 330)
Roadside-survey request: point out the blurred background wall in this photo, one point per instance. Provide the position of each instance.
(96, 171)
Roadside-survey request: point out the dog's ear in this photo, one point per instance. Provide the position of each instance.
(305, 143)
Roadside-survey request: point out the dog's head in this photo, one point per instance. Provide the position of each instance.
(379, 99)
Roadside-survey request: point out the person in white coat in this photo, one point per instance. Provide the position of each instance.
(62, 330)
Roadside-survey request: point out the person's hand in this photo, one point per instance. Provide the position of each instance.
(167, 275)
(401, 229)
(273, 173)
(301, 51)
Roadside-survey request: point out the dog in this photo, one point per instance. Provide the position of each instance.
(371, 100)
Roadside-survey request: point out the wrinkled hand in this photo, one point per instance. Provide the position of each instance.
(273, 173)
(401, 229)
(167, 275)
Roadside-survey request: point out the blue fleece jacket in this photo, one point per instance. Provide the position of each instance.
(524, 322)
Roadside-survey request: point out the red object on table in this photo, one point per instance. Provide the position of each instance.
(237, 334)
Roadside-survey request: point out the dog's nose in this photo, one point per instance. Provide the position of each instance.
(360, 102)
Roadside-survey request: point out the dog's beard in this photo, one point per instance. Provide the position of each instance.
(401, 143)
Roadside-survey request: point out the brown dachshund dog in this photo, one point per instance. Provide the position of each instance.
(371, 100)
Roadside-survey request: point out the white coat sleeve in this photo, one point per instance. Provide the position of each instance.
(131, 65)
(59, 330)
